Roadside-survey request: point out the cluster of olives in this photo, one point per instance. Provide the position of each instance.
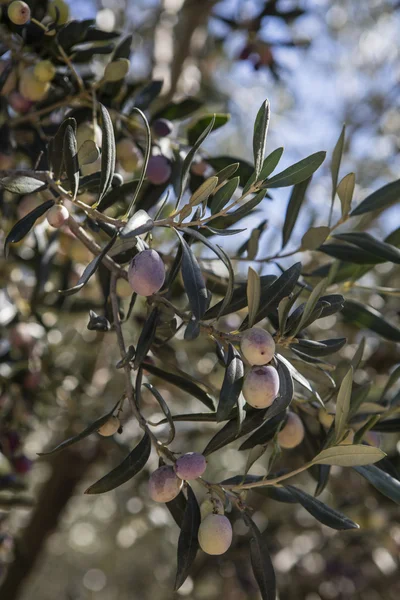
(215, 531)
(261, 385)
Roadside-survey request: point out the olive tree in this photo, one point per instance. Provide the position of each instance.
(95, 163)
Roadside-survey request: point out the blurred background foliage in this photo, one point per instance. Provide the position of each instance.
(321, 63)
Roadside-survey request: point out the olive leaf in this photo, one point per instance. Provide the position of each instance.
(22, 184)
(253, 291)
(88, 153)
(345, 191)
(323, 513)
(95, 426)
(371, 245)
(261, 562)
(70, 158)
(335, 166)
(165, 408)
(382, 481)
(349, 456)
(189, 158)
(378, 200)
(24, 225)
(293, 208)
(204, 191)
(116, 70)
(146, 337)
(194, 130)
(366, 317)
(231, 385)
(314, 237)
(188, 539)
(131, 466)
(343, 404)
(108, 153)
(193, 280)
(260, 136)
(56, 147)
(273, 294)
(223, 195)
(183, 383)
(297, 172)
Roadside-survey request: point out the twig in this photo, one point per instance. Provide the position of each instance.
(91, 245)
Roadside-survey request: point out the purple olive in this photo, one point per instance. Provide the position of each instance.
(261, 386)
(162, 127)
(146, 273)
(257, 346)
(190, 466)
(158, 170)
(164, 485)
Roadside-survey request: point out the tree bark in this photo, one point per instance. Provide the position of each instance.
(68, 469)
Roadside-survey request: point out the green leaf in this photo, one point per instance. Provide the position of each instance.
(261, 562)
(244, 170)
(195, 129)
(382, 481)
(223, 195)
(253, 291)
(165, 408)
(204, 191)
(183, 383)
(116, 70)
(223, 257)
(146, 337)
(286, 391)
(24, 225)
(179, 110)
(177, 508)
(193, 280)
(269, 165)
(148, 94)
(133, 464)
(265, 433)
(88, 153)
(227, 172)
(350, 254)
(70, 157)
(343, 405)
(314, 237)
(273, 294)
(369, 318)
(56, 147)
(310, 305)
(89, 270)
(369, 244)
(22, 184)
(385, 196)
(189, 158)
(239, 299)
(323, 513)
(320, 348)
(108, 153)
(349, 456)
(229, 432)
(260, 136)
(231, 385)
(388, 426)
(139, 223)
(335, 165)
(345, 191)
(95, 426)
(188, 540)
(394, 376)
(295, 202)
(297, 172)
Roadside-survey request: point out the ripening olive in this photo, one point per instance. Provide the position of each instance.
(146, 273)
(57, 215)
(19, 12)
(257, 346)
(261, 386)
(109, 427)
(164, 485)
(190, 466)
(215, 534)
(292, 433)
